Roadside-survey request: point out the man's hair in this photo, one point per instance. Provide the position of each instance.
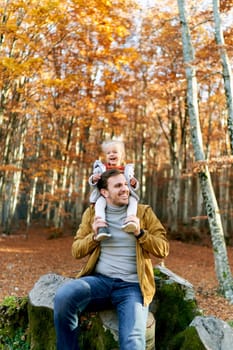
(103, 181)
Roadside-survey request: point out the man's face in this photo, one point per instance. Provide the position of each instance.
(117, 192)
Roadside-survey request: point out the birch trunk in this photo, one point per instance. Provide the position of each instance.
(12, 186)
(226, 67)
(199, 223)
(219, 247)
(59, 213)
(186, 202)
(173, 199)
(51, 190)
(31, 201)
(224, 198)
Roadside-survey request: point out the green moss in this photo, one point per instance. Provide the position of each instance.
(93, 335)
(174, 313)
(13, 323)
(17, 342)
(41, 328)
(186, 340)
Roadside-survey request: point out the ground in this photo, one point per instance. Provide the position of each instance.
(24, 258)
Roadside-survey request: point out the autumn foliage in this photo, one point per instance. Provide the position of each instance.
(73, 73)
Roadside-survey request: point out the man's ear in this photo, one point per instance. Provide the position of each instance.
(104, 192)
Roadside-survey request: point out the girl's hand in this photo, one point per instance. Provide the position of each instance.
(133, 182)
(95, 178)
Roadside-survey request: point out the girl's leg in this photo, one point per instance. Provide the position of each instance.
(131, 210)
(132, 206)
(100, 206)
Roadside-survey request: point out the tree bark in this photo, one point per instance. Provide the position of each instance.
(217, 236)
(226, 67)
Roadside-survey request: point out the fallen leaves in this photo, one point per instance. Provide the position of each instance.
(24, 260)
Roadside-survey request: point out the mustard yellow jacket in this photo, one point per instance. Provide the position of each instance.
(154, 241)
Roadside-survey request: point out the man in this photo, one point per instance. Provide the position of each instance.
(118, 272)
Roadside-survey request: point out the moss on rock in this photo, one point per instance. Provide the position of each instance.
(173, 313)
(93, 335)
(13, 323)
(186, 340)
(41, 328)
(173, 308)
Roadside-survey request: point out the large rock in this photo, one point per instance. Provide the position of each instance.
(215, 334)
(174, 306)
(44, 290)
(169, 277)
(177, 324)
(103, 325)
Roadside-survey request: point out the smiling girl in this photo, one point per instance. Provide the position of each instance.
(114, 151)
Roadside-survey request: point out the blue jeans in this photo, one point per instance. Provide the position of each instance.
(96, 293)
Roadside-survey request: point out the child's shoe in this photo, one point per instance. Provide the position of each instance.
(102, 234)
(129, 227)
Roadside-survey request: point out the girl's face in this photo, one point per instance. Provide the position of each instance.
(113, 155)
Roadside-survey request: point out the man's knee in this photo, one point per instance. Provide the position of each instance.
(72, 295)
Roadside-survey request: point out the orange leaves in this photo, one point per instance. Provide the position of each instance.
(76, 71)
(226, 5)
(119, 116)
(213, 164)
(10, 168)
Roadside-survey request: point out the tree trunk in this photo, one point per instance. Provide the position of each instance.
(224, 199)
(186, 201)
(226, 67)
(173, 199)
(219, 247)
(31, 201)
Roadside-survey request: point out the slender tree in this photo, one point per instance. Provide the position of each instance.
(226, 67)
(219, 247)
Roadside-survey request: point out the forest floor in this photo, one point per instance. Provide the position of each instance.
(23, 259)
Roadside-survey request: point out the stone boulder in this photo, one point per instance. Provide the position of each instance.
(178, 321)
(173, 306)
(101, 327)
(215, 334)
(44, 290)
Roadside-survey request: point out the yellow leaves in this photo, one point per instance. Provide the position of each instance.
(10, 27)
(20, 68)
(122, 31)
(45, 4)
(54, 82)
(42, 8)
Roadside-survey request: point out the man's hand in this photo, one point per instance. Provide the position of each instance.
(136, 221)
(98, 222)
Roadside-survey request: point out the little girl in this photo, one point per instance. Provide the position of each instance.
(114, 151)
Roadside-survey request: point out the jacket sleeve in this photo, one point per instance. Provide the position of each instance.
(98, 168)
(154, 240)
(90, 181)
(84, 244)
